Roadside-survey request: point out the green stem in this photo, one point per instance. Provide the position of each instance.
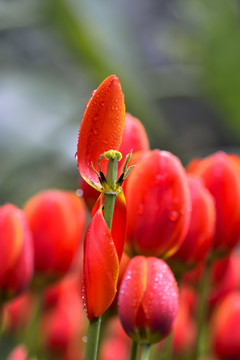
(145, 353)
(93, 339)
(109, 202)
(168, 347)
(31, 334)
(135, 350)
(202, 311)
(109, 199)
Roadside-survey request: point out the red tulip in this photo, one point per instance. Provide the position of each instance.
(16, 256)
(148, 300)
(102, 253)
(134, 138)
(116, 344)
(101, 128)
(158, 204)
(198, 239)
(220, 174)
(226, 328)
(64, 320)
(184, 333)
(225, 276)
(17, 312)
(57, 220)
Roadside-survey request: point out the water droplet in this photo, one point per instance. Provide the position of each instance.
(95, 131)
(174, 215)
(102, 104)
(79, 192)
(93, 93)
(84, 339)
(76, 156)
(88, 102)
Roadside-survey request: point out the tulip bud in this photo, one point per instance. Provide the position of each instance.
(225, 328)
(134, 137)
(148, 300)
(16, 256)
(158, 205)
(220, 174)
(198, 239)
(57, 220)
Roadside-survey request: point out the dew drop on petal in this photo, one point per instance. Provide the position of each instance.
(174, 215)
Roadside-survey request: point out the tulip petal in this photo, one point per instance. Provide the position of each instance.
(101, 128)
(119, 222)
(131, 292)
(160, 302)
(100, 267)
(11, 237)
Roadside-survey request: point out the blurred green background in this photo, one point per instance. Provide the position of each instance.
(178, 62)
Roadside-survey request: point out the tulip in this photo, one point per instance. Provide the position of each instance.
(63, 319)
(148, 300)
(57, 220)
(16, 254)
(220, 174)
(158, 205)
(134, 138)
(101, 128)
(99, 139)
(116, 343)
(184, 333)
(225, 328)
(102, 253)
(198, 240)
(225, 276)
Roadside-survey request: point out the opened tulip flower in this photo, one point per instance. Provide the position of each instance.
(148, 300)
(134, 139)
(99, 139)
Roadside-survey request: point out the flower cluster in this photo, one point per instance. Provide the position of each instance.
(160, 248)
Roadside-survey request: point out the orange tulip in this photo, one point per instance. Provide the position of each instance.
(101, 128)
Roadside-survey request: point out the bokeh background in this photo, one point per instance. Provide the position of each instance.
(178, 62)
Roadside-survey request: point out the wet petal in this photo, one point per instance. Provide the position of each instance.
(100, 267)
(101, 128)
